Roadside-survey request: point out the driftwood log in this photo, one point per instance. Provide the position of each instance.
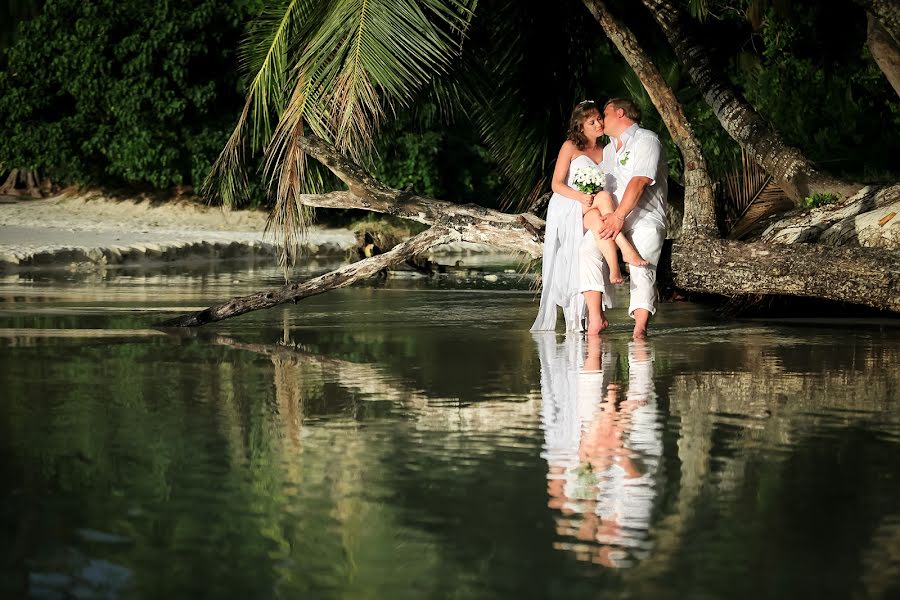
(864, 276)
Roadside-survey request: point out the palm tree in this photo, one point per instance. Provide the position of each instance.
(335, 69)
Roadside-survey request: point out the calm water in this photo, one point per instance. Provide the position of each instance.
(413, 440)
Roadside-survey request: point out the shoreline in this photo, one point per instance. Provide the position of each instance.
(89, 231)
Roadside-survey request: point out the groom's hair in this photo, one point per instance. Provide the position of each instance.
(630, 108)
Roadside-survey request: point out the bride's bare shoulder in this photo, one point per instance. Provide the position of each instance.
(567, 151)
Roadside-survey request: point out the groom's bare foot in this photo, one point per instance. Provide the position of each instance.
(640, 333)
(631, 256)
(595, 326)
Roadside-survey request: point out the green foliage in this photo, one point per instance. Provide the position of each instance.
(822, 91)
(122, 93)
(422, 151)
(819, 199)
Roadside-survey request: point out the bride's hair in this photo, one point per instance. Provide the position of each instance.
(580, 114)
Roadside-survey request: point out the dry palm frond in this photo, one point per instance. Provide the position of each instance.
(749, 194)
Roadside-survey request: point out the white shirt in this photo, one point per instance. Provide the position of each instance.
(642, 155)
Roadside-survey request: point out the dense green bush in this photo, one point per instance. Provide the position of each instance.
(122, 92)
(816, 82)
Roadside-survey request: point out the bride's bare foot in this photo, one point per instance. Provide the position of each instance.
(611, 256)
(595, 326)
(615, 274)
(631, 256)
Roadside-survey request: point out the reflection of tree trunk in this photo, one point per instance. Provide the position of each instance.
(793, 171)
(290, 401)
(882, 559)
(699, 203)
(885, 51)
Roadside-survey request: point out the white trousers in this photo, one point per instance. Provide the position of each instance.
(594, 272)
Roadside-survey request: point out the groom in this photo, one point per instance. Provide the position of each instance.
(636, 168)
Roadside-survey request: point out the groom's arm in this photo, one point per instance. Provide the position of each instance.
(613, 222)
(646, 153)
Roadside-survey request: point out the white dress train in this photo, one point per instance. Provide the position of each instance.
(560, 272)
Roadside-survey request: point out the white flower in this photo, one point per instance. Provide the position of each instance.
(588, 179)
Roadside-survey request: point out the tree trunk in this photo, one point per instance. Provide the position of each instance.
(869, 277)
(794, 173)
(9, 186)
(335, 279)
(863, 220)
(699, 202)
(885, 51)
(472, 222)
(23, 182)
(888, 14)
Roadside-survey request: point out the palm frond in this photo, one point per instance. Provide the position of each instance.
(367, 55)
(526, 85)
(357, 59)
(332, 68)
(264, 54)
(748, 195)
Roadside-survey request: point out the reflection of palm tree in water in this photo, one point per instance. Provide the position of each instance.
(603, 483)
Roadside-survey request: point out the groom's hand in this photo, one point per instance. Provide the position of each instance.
(611, 225)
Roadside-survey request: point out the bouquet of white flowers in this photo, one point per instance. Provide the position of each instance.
(589, 180)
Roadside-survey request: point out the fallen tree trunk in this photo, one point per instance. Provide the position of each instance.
(700, 264)
(335, 279)
(865, 276)
(862, 220)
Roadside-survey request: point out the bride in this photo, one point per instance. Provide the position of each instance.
(570, 214)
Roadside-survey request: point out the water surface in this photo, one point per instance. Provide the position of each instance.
(411, 439)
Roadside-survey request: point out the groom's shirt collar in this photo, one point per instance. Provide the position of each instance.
(628, 133)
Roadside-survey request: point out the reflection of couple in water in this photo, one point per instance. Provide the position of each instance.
(602, 448)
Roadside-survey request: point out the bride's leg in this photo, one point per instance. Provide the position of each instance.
(629, 253)
(591, 220)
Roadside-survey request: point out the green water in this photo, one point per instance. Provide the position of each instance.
(412, 440)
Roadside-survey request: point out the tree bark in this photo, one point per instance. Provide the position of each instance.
(335, 279)
(863, 276)
(888, 14)
(9, 186)
(472, 222)
(794, 172)
(699, 202)
(838, 224)
(885, 51)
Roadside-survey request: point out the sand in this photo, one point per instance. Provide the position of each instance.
(79, 230)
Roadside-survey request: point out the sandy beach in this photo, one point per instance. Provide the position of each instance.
(80, 230)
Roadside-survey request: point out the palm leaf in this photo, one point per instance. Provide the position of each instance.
(332, 68)
(530, 71)
(749, 194)
(265, 55)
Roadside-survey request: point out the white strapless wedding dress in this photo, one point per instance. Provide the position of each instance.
(559, 273)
